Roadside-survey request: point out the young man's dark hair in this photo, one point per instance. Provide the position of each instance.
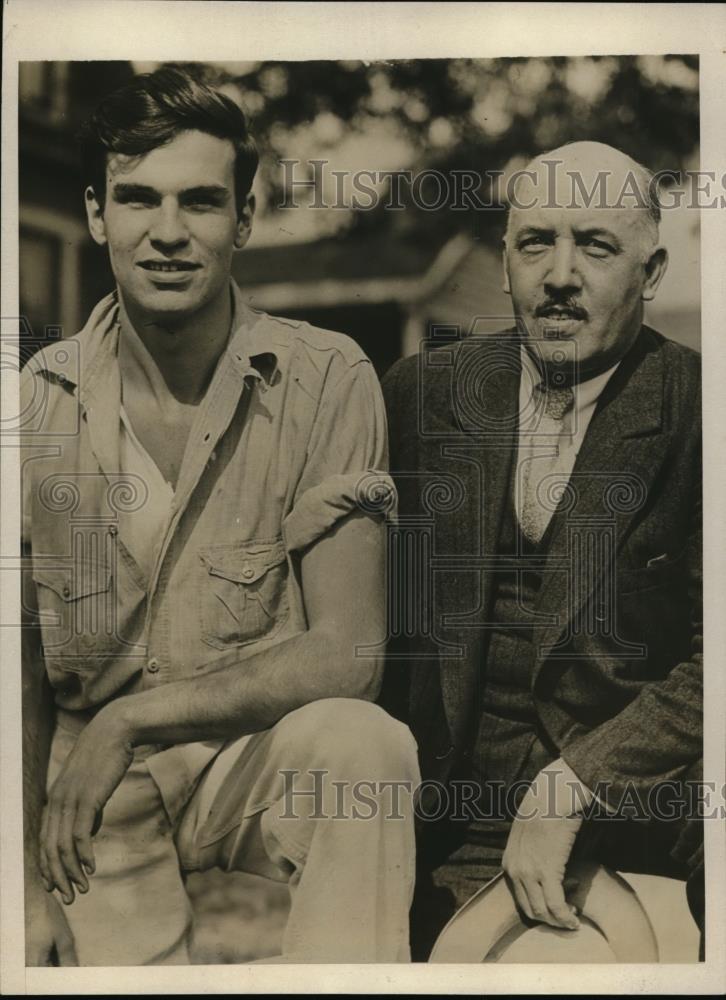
(156, 107)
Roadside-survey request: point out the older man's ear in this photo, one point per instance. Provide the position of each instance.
(655, 268)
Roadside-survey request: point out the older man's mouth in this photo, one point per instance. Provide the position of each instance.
(561, 312)
(560, 320)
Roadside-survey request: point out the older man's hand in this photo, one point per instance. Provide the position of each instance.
(540, 843)
(92, 771)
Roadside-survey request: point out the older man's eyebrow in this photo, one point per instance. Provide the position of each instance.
(526, 231)
(597, 232)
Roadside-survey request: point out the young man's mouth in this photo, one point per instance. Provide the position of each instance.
(168, 266)
(168, 272)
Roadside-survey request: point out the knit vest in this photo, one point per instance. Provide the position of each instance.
(508, 747)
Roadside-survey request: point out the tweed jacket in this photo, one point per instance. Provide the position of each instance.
(617, 682)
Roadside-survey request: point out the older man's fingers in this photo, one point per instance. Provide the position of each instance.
(521, 897)
(561, 913)
(536, 898)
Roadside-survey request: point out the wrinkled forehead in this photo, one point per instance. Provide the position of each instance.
(581, 181)
(624, 225)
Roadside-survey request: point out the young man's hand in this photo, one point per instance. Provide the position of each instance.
(540, 843)
(92, 771)
(48, 939)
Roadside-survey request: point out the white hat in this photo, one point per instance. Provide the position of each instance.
(614, 925)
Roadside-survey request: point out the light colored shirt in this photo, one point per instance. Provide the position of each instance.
(561, 441)
(549, 444)
(143, 528)
(137, 586)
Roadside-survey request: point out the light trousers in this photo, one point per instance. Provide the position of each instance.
(321, 801)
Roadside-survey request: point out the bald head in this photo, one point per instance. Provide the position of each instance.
(581, 253)
(588, 176)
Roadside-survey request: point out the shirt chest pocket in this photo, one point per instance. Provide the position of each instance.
(76, 613)
(244, 592)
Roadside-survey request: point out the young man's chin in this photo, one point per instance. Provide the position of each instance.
(167, 305)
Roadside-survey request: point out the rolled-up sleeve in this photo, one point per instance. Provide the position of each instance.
(346, 465)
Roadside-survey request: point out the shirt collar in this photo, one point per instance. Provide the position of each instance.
(249, 348)
(586, 393)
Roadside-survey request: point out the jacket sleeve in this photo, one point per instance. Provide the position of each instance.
(657, 737)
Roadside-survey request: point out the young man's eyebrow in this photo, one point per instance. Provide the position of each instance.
(127, 192)
(213, 192)
(216, 192)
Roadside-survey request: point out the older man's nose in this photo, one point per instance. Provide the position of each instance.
(563, 271)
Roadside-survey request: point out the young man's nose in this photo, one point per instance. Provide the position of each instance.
(168, 228)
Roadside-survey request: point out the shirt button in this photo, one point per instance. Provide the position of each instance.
(153, 665)
(248, 572)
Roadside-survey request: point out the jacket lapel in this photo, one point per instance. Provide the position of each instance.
(620, 456)
(481, 420)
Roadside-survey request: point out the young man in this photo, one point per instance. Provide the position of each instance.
(564, 651)
(203, 563)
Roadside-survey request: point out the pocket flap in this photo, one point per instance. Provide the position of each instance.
(243, 562)
(70, 583)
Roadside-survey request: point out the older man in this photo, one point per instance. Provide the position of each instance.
(559, 675)
(204, 563)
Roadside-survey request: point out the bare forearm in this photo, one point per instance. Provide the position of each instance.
(247, 696)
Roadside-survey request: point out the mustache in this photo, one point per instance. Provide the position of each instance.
(558, 307)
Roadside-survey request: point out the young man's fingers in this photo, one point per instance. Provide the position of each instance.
(57, 872)
(67, 848)
(42, 857)
(56, 868)
(82, 835)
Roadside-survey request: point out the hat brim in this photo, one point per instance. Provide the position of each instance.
(615, 926)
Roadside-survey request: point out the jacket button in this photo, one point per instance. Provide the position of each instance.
(153, 665)
(248, 572)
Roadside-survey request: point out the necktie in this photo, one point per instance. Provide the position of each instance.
(539, 463)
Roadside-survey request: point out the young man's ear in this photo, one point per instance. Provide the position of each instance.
(244, 222)
(94, 214)
(655, 267)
